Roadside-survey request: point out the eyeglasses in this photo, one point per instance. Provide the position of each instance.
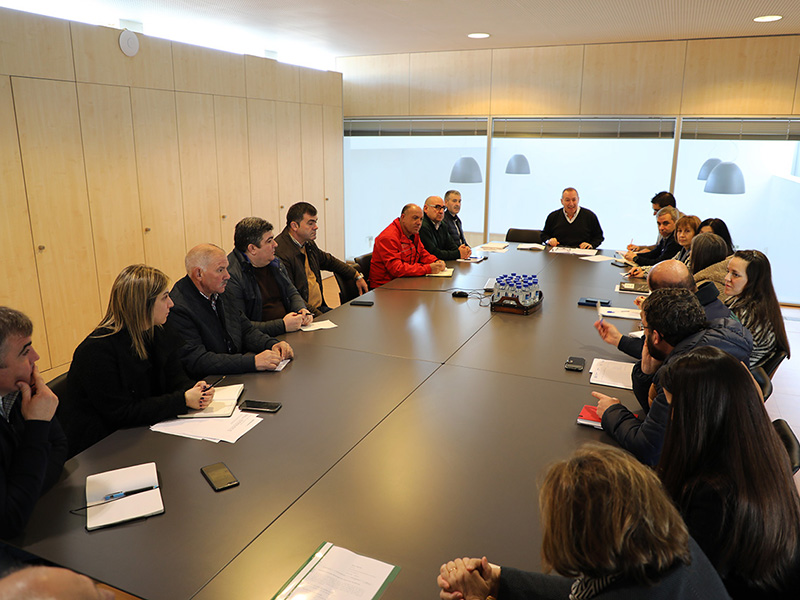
(437, 207)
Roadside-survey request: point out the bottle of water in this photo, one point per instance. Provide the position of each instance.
(535, 290)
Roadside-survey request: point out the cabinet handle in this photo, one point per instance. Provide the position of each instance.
(147, 230)
(224, 216)
(41, 247)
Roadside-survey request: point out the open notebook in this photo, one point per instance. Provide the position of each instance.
(225, 399)
(122, 495)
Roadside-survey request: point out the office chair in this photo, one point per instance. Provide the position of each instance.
(772, 362)
(58, 385)
(347, 287)
(527, 236)
(789, 440)
(363, 263)
(763, 381)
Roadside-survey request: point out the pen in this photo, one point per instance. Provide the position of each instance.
(211, 385)
(599, 314)
(117, 495)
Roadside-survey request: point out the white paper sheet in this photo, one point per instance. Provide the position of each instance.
(597, 258)
(530, 246)
(620, 313)
(611, 373)
(575, 251)
(319, 325)
(337, 573)
(226, 430)
(493, 247)
(446, 273)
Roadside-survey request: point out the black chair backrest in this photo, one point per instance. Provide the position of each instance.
(789, 440)
(363, 263)
(763, 381)
(772, 362)
(527, 236)
(347, 288)
(59, 385)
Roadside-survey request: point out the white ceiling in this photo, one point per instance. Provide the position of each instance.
(358, 27)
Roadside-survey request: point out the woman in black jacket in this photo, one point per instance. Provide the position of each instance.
(127, 372)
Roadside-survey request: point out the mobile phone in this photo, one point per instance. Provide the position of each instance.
(593, 302)
(575, 363)
(219, 476)
(261, 406)
(362, 302)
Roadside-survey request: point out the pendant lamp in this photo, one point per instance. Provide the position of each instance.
(707, 167)
(466, 170)
(725, 178)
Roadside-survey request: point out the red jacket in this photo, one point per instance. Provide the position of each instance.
(397, 255)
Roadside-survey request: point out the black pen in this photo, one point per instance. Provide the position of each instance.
(117, 495)
(211, 385)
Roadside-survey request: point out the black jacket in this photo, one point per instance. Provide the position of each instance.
(294, 261)
(109, 387)
(245, 295)
(205, 349)
(438, 241)
(664, 250)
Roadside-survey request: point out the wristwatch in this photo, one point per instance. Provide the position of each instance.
(359, 276)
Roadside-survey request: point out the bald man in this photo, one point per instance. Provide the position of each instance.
(398, 251)
(46, 583)
(218, 337)
(434, 233)
(666, 274)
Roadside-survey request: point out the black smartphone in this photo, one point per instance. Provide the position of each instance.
(219, 476)
(575, 363)
(261, 406)
(593, 302)
(362, 302)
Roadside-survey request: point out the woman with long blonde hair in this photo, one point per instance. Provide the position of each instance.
(127, 372)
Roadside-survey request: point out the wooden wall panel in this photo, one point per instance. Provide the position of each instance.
(98, 58)
(633, 79)
(207, 71)
(108, 148)
(55, 179)
(741, 76)
(450, 83)
(320, 87)
(270, 80)
(199, 182)
(20, 289)
(233, 164)
(796, 110)
(375, 85)
(262, 137)
(537, 81)
(155, 130)
(312, 144)
(35, 46)
(290, 159)
(334, 180)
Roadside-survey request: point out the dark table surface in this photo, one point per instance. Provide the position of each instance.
(414, 432)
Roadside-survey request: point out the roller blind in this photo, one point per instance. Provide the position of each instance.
(411, 127)
(585, 128)
(740, 129)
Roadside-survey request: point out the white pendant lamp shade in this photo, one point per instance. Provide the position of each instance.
(518, 165)
(707, 167)
(466, 170)
(725, 178)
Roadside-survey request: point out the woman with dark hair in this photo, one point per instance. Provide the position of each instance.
(729, 474)
(609, 529)
(718, 226)
(127, 371)
(708, 260)
(752, 299)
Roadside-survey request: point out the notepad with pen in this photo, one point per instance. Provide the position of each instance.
(122, 495)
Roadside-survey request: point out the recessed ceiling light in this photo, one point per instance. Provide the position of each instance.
(478, 36)
(768, 18)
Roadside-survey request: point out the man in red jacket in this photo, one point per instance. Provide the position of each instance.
(398, 251)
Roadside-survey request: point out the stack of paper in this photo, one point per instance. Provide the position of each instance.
(122, 495)
(575, 251)
(620, 313)
(530, 247)
(493, 247)
(224, 402)
(214, 430)
(448, 272)
(612, 373)
(319, 325)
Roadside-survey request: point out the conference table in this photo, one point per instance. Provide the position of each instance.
(414, 432)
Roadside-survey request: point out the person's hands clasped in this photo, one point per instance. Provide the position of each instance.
(199, 396)
(464, 251)
(38, 402)
(307, 316)
(468, 579)
(283, 349)
(585, 246)
(438, 266)
(268, 360)
(553, 242)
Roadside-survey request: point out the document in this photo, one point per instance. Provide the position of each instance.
(640, 289)
(281, 365)
(611, 373)
(319, 325)
(597, 258)
(499, 247)
(224, 402)
(212, 430)
(122, 495)
(336, 573)
(621, 258)
(575, 251)
(446, 273)
(530, 247)
(472, 259)
(620, 313)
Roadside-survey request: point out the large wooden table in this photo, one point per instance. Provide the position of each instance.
(413, 433)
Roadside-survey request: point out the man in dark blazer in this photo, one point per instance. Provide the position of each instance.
(218, 338)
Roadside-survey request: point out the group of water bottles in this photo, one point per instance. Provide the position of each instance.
(523, 288)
